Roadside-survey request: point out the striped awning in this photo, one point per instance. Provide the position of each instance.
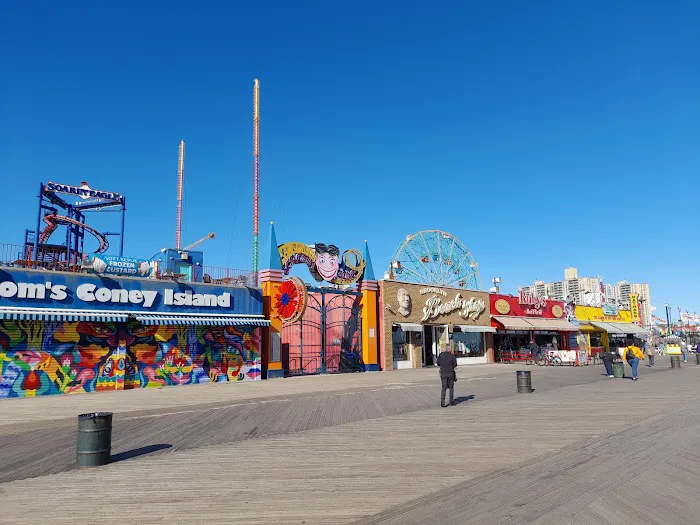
(513, 323)
(50, 314)
(183, 319)
(620, 328)
(476, 329)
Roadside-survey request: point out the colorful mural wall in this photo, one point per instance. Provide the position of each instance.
(42, 358)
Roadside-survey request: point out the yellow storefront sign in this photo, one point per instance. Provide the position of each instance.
(673, 349)
(634, 307)
(594, 313)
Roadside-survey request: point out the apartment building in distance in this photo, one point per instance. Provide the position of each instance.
(587, 291)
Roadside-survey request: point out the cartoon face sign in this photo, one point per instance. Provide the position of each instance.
(327, 262)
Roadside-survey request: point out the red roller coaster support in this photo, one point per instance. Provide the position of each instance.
(54, 221)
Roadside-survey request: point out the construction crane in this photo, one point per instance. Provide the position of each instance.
(200, 241)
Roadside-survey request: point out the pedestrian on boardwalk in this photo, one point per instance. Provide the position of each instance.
(688, 349)
(447, 363)
(608, 358)
(534, 350)
(650, 353)
(632, 355)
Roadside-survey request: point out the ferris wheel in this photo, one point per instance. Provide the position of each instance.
(435, 257)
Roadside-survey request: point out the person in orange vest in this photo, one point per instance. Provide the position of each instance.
(632, 354)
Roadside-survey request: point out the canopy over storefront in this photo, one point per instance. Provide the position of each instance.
(533, 323)
(619, 328)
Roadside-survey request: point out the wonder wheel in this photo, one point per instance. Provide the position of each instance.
(435, 257)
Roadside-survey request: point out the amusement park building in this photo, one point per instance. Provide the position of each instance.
(524, 318)
(76, 321)
(64, 332)
(417, 321)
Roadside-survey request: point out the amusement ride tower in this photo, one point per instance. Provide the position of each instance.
(256, 174)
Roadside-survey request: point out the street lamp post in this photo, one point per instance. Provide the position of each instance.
(668, 319)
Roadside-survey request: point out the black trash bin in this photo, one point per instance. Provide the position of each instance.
(675, 361)
(94, 446)
(697, 359)
(524, 381)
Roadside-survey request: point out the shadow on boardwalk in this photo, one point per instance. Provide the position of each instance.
(141, 451)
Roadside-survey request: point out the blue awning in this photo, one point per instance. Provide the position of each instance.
(51, 314)
(210, 320)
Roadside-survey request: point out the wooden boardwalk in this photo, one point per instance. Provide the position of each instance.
(582, 449)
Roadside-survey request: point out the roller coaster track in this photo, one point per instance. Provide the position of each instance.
(54, 221)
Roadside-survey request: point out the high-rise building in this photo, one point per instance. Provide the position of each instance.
(588, 291)
(570, 273)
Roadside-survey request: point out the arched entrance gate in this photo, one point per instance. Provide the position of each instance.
(328, 338)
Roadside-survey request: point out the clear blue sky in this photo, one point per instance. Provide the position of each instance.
(542, 134)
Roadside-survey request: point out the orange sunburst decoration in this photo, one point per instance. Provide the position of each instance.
(291, 299)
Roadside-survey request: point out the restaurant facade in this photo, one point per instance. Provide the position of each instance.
(418, 321)
(608, 328)
(519, 319)
(63, 333)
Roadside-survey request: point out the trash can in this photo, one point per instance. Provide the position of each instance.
(697, 359)
(619, 370)
(524, 381)
(675, 361)
(94, 446)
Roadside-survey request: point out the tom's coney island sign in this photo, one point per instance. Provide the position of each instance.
(434, 307)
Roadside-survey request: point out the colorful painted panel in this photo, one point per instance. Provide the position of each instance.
(42, 358)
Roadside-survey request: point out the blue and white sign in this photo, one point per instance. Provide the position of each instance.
(610, 309)
(115, 265)
(40, 289)
(84, 191)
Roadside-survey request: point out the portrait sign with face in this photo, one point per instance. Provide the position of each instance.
(404, 300)
(324, 261)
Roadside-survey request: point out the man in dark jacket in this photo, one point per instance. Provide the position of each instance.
(447, 363)
(608, 358)
(534, 350)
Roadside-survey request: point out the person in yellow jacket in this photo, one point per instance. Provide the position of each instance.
(632, 354)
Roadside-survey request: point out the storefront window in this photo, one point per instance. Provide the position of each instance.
(618, 341)
(468, 344)
(398, 342)
(414, 340)
(548, 340)
(596, 339)
(511, 342)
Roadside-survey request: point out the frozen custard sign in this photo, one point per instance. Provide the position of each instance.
(470, 308)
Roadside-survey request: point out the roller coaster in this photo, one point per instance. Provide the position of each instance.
(53, 221)
(63, 205)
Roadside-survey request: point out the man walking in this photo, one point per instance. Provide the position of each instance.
(649, 348)
(447, 363)
(608, 358)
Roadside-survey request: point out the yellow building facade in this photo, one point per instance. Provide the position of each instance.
(606, 329)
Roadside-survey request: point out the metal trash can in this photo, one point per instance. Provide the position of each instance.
(524, 381)
(618, 370)
(697, 359)
(94, 446)
(675, 361)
